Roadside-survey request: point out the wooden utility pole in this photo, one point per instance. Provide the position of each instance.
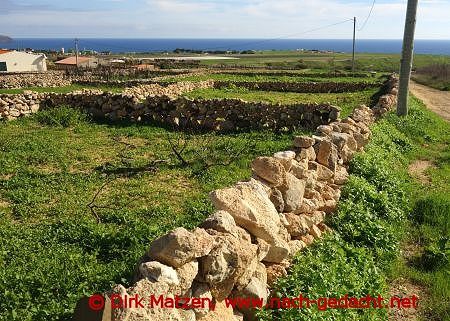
(407, 58)
(354, 41)
(76, 52)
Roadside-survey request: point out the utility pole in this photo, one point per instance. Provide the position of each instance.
(76, 52)
(407, 58)
(354, 40)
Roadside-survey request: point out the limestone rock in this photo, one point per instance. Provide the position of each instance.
(324, 129)
(251, 209)
(261, 273)
(308, 239)
(226, 263)
(303, 141)
(277, 200)
(297, 225)
(327, 154)
(274, 272)
(221, 312)
(329, 206)
(293, 191)
(277, 252)
(316, 232)
(221, 221)
(308, 206)
(298, 169)
(201, 290)
(285, 158)
(296, 246)
(323, 173)
(270, 169)
(255, 289)
(186, 274)
(341, 175)
(145, 289)
(158, 272)
(263, 248)
(181, 246)
(306, 153)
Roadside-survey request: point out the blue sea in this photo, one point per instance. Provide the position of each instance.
(436, 47)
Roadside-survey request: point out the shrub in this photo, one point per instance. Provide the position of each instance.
(433, 210)
(62, 116)
(437, 254)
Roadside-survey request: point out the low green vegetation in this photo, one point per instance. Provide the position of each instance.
(61, 90)
(436, 76)
(51, 167)
(382, 210)
(270, 78)
(325, 61)
(346, 101)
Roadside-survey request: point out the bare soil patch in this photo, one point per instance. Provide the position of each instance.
(403, 288)
(436, 100)
(418, 169)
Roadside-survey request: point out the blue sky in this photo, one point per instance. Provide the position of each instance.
(218, 19)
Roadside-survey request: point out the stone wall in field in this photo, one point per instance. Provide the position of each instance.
(161, 104)
(99, 103)
(157, 79)
(299, 87)
(257, 226)
(45, 79)
(103, 77)
(264, 72)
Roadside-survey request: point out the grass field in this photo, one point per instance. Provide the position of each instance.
(61, 172)
(51, 167)
(434, 75)
(266, 78)
(327, 61)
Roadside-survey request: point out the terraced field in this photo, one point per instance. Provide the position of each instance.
(295, 77)
(80, 201)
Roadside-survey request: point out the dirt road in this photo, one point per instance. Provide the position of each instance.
(436, 100)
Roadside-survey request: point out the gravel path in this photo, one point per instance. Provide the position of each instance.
(436, 100)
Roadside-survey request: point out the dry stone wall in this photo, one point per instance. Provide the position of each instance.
(300, 87)
(24, 80)
(258, 225)
(236, 114)
(264, 72)
(97, 102)
(161, 104)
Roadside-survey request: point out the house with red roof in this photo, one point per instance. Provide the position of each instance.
(81, 61)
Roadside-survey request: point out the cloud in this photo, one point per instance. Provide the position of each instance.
(218, 18)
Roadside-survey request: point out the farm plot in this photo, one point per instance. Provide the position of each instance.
(276, 78)
(60, 173)
(81, 201)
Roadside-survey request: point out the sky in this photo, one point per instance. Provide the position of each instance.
(218, 19)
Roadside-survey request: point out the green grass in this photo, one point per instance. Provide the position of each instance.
(64, 89)
(381, 210)
(432, 81)
(267, 78)
(346, 101)
(326, 61)
(51, 166)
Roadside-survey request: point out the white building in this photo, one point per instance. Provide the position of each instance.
(18, 61)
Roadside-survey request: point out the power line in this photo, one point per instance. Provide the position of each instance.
(281, 37)
(108, 46)
(368, 16)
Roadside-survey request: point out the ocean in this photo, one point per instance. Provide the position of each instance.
(435, 47)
